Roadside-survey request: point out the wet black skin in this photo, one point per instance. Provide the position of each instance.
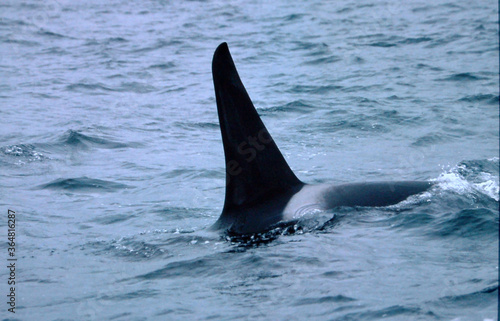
(261, 189)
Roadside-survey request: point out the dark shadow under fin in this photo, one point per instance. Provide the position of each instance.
(255, 168)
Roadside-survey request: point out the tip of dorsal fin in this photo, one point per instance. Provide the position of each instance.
(255, 168)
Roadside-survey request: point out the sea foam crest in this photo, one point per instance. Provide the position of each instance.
(469, 177)
(489, 186)
(25, 152)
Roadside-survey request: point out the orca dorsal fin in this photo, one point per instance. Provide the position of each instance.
(255, 168)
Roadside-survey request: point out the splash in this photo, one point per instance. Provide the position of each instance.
(23, 152)
(471, 177)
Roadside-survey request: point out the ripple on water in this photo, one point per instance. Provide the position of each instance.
(325, 299)
(76, 139)
(468, 223)
(84, 184)
(399, 312)
(98, 88)
(297, 106)
(482, 98)
(129, 249)
(432, 139)
(463, 77)
(191, 268)
(482, 298)
(26, 152)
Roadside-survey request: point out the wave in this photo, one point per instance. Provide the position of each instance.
(325, 299)
(482, 298)
(399, 41)
(197, 125)
(50, 34)
(444, 40)
(39, 152)
(357, 123)
(297, 106)
(314, 89)
(210, 265)
(116, 39)
(158, 45)
(474, 223)
(313, 48)
(472, 177)
(415, 40)
(466, 197)
(128, 249)
(486, 98)
(463, 203)
(192, 173)
(464, 76)
(99, 88)
(75, 139)
(28, 43)
(134, 295)
(85, 87)
(83, 184)
(399, 311)
(163, 66)
(383, 44)
(324, 60)
(406, 221)
(26, 152)
(432, 139)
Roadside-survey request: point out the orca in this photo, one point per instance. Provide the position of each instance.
(262, 192)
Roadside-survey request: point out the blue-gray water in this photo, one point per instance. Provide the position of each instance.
(111, 156)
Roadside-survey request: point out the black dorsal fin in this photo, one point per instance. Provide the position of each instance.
(255, 168)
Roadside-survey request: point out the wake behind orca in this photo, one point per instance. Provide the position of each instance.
(261, 189)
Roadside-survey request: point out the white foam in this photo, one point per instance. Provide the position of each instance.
(452, 181)
(485, 183)
(489, 187)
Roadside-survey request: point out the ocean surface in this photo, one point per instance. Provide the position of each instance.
(111, 158)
